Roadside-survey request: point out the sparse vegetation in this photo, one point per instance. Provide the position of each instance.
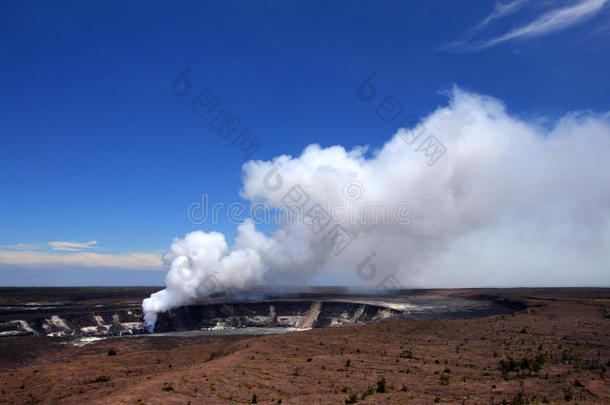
(525, 364)
(100, 379)
(553, 365)
(381, 385)
(519, 399)
(351, 399)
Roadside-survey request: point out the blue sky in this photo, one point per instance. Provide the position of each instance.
(99, 157)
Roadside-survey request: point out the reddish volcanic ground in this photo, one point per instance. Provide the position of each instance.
(557, 350)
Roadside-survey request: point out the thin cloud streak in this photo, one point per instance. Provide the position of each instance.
(29, 256)
(552, 21)
(42, 261)
(20, 246)
(499, 11)
(72, 246)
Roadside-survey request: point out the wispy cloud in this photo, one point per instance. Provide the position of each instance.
(551, 21)
(42, 261)
(70, 255)
(72, 246)
(500, 10)
(20, 246)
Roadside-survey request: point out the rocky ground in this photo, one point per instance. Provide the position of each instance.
(555, 351)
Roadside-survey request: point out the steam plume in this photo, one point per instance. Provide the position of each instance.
(512, 202)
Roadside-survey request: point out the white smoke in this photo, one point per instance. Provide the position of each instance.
(512, 202)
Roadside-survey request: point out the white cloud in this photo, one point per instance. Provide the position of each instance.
(552, 21)
(72, 246)
(500, 10)
(30, 256)
(20, 246)
(41, 260)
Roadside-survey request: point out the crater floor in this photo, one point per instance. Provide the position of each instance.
(72, 313)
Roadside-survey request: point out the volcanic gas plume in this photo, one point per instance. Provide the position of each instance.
(511, 202)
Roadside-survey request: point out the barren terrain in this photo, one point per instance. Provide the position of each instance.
(557, 350)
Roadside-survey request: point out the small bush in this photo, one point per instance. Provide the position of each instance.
(381, 385)
(406, 354)
(519, 399)
(535, 364)
(352, 399)
(100, 379)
